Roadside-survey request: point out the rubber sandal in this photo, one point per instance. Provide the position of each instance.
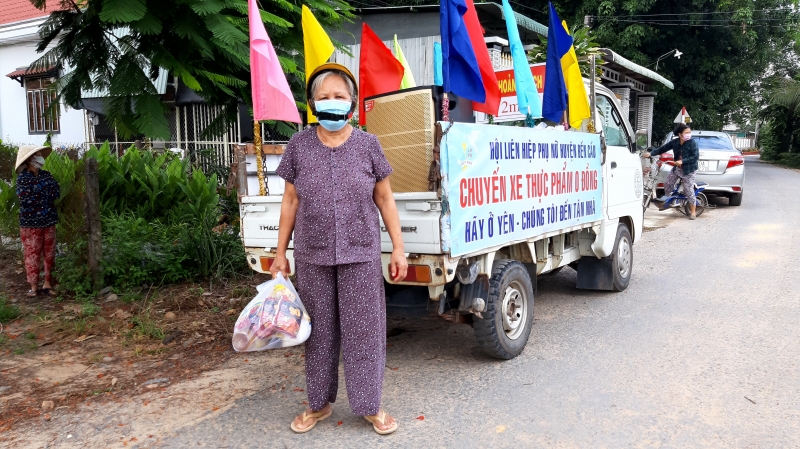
(380, 418)
(47, 292)
(316, 416)
(32, 294)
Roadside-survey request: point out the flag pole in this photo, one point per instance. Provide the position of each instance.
(592, 99)
(262, 186)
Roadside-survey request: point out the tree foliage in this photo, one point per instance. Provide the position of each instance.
(780, 135)
(118, 46)
(728, 46)
(582, 40)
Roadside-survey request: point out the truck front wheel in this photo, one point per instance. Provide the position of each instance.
(622, 259)
(508, 317)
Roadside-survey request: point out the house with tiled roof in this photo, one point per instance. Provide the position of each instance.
(25, 94)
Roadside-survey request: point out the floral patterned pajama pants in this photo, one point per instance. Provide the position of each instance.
(687, 183)
(348, 312)
(38, 243)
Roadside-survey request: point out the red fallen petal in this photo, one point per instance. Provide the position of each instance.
(215, 409)
(245, 360)
(338, 424)
(420, 417)
(99, 376)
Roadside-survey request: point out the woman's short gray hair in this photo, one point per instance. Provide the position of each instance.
(319, 78)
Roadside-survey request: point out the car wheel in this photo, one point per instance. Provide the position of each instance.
(736, 199)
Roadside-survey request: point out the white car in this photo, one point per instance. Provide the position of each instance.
(721, 166)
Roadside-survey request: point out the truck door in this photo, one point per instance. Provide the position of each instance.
(622, 167)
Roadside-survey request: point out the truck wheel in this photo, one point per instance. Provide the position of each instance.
(622, 259)
(736, 199)
(507, 320)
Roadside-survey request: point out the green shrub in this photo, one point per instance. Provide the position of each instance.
(212, 251)
(8, 157)
(68, 171)
(72, 270)
(9, 209)
(137, 251)
(152, 186)
(8, 312)
(789, 159)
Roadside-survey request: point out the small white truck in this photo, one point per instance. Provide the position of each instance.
(485, 209)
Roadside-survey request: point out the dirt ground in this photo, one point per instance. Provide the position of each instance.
(62, 358)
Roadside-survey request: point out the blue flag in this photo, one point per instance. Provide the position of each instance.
(460, 72)
(437, 64)
(527, 94)
(555, 91)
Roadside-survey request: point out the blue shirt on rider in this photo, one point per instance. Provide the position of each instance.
(688, 152)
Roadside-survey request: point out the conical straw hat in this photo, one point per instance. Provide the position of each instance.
(26, 151)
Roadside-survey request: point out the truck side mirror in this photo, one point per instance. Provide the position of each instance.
(641, 140)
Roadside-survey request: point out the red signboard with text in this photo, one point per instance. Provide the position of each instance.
(509, 110)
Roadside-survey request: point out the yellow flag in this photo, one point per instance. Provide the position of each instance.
(578, 105)
(317, 46)
(408, 77)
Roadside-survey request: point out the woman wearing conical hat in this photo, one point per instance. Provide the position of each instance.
(37, 191)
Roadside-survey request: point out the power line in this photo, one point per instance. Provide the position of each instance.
(695, 13)
(526, 7)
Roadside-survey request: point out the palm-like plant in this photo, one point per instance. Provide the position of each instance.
(584, 44)
(781, 116)
(118, 46)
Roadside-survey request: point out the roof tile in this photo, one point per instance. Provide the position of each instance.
(19, 10)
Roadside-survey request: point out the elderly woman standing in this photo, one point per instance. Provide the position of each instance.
(336, 182)
(37, 191)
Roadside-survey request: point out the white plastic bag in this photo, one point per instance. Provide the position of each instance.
(275, 318)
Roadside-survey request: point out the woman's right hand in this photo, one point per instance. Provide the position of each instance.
(280, 265)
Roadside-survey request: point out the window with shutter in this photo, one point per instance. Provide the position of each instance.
(43, 113)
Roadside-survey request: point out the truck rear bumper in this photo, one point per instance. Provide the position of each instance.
(260, 259)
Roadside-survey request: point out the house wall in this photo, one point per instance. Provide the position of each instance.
(18, 49)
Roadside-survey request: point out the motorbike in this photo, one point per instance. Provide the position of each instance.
(676, 199)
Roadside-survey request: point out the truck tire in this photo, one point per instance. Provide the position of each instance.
(736, 199)
(622, 259)
(508, 317)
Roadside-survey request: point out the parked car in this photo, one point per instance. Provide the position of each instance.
(721, 166)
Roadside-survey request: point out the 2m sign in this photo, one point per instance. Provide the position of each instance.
(509, 108)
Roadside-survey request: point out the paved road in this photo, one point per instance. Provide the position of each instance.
(700, 351)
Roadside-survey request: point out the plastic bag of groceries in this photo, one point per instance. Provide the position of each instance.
(275, 318)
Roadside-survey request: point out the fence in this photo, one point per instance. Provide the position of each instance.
(212, 154)
(743, 143)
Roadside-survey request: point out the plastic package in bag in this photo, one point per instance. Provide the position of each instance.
(275, 318)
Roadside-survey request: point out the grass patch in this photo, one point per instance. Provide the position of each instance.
(81, 325)
(145, 327)
(130, 297)
(89, 308)
(8, 312)
(241, 291)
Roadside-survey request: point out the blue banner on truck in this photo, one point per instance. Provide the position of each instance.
(505, 184)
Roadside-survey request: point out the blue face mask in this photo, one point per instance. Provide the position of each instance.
(336, 107)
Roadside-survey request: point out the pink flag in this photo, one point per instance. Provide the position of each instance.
(272, 98)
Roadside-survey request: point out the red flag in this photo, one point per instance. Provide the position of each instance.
(379, 71)
(475, 31)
